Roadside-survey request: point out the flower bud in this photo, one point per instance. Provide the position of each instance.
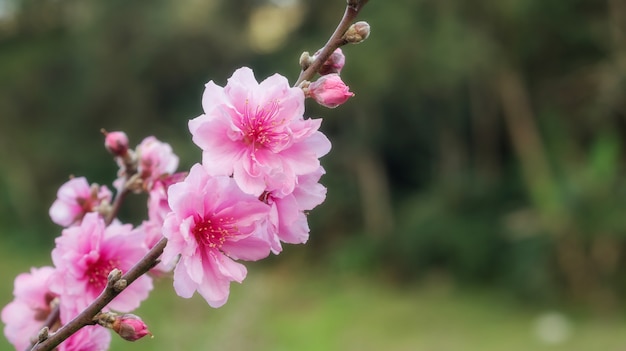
(130, 327)
(333, 64)
(116, 143)
(305, 60)
(357, 32)
(329, 91)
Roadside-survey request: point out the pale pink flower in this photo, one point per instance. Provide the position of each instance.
(85, 255)
(329, 91)
(288, 219)
(89, 338)
(24, 316)
(256, 132)
(212, 222)
(75, 198)
(156, 159)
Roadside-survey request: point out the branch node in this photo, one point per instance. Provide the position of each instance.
(44, 333)
(120, 285)
(114, 276)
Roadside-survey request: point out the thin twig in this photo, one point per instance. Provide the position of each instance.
(336, 40)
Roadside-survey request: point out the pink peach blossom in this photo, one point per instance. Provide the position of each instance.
(158, 208)
(84, 255)
(212, 222)
(89, 338)
(329, 91)
(156, 159)
(24, 316)
(256, 132)
(75, 198)
(287, 217)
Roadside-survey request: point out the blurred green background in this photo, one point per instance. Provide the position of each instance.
(476, 189)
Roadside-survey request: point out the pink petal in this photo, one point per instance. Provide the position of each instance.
(183, 285)
(250, 248)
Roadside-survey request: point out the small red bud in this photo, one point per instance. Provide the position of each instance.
(130, 327)
(333, 64)
(116, 143)
(329, 91)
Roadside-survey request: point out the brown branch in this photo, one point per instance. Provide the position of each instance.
(117, 204)
(336, 40)
(108, 294)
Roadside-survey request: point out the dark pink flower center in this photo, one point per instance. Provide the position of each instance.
(213, 232)
(260, 127)
(98, 273)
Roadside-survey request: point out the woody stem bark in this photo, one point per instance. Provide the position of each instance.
(336, 40)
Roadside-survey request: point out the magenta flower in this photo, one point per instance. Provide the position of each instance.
(75, 198)
(156, 159)
(89, 338)
(256, 132)
(329, 91)
(24, 316)
(212, 222)
(288, 219)
(84, 255)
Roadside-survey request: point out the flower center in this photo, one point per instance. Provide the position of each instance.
(261, 128)
(213, 232)
(42, 313)
(98, 273)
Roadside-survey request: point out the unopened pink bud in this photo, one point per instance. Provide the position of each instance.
(333, 64)
(130, 327)
(329, 91)
(116, 143)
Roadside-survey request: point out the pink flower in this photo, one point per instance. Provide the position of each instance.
(156, 159)
(212, 222)
(329, 91)
(84, 255)
(333, 64)
(130, 327)
(75, 198)
(25, 315)
(158, 208)
(256, 132)
(89, 338)
(288, 219)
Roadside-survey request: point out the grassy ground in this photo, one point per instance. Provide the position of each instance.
(281, 308)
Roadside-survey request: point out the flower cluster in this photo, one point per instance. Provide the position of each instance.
(258, 177)
(90, 246)
(259, 172)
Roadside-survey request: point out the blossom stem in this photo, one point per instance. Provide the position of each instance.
(336, 40)
(117, 204)
(108, 294)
